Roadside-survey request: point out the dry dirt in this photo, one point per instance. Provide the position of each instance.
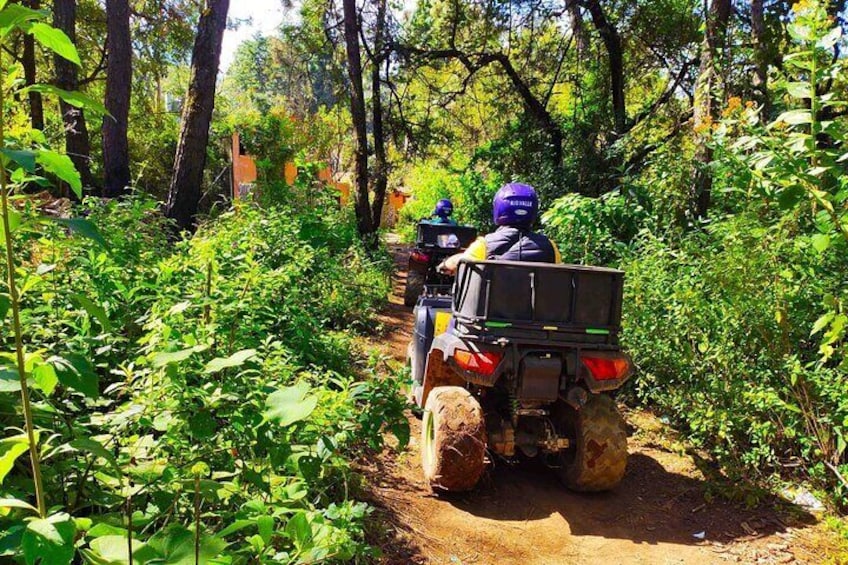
(660, 514)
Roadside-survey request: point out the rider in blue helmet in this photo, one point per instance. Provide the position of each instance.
(442, 213)
(514, 209)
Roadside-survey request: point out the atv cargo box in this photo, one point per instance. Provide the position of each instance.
(538, 301)
(428, 235)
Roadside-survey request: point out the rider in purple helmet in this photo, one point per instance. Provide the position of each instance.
(442, 213)
(514, 209)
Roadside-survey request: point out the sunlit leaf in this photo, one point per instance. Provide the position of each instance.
(72, 97)
(290, 404)
(235, 360)
(16, 503)
(55, 40)
(45, 378)
(795, 117)
(799, 89)
(61, 165)
(10, 449)
(49, 540)
(821, 242)
(114, 549)
(14, 223)
(14, 15)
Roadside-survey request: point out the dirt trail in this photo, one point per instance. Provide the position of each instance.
(522, 515)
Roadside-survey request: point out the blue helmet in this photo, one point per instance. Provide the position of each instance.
(444, 208)
(515, 204)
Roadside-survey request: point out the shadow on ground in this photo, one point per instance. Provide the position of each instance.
(651, 505)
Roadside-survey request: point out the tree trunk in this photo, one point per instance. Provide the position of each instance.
(364, 221)
(706, 102)
(758, 31)
(187, 180)
(612, 43)
(577, 28)
(77, 143)
(116, 151)
(381, 167)
(36, 106)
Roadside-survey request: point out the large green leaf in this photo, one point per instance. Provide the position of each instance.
(15, 15)
(17, 503)
(235, 360)
(72, 97)
(55, 40)
(25, 159)
(290, 404)
(75, 372)
(10, 449)
(14, 222)
(175, 544)
(44, 375)
(94, 310)
(61, 166)
(49, 540)
(113, 549)
(84, 228)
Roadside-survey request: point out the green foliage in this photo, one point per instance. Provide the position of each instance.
(593, 231)
(739, 329)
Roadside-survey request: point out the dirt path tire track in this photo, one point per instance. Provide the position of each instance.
(521, 514)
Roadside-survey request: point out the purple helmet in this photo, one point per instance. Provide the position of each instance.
(515, 204)
(444, 208)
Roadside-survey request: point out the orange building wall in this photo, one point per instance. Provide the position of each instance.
(244, 170)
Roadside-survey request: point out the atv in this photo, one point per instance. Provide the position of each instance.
(433, 244)
(519, 360)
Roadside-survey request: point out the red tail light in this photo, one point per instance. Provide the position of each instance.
(606, 368)
(483, 363)
(419, 257)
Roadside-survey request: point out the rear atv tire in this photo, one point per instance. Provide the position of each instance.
(453, 439)
(414, 287)
(598, 458)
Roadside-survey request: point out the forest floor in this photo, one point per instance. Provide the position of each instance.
(664, 511)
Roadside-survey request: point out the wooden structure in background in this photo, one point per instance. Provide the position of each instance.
(245, 174)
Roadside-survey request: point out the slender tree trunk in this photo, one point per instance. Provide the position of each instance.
(706, 102)
(577, 27)
(116, 151)
(758, 31)
(381, 167)
(77, 143)
(612, 43)
(364, 221)
(36, 106)
(186, 182)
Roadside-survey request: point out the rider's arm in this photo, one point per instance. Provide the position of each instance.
(475, 252)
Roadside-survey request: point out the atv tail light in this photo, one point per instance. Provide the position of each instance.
(419, 257)
(483, 363)
(606, 368)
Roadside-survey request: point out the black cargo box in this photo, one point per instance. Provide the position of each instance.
(550, 301)
(428, 234)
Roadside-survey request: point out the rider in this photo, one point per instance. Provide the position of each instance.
(514, 210)
(442, 213)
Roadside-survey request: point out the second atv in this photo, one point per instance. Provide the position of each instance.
(433, 244)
